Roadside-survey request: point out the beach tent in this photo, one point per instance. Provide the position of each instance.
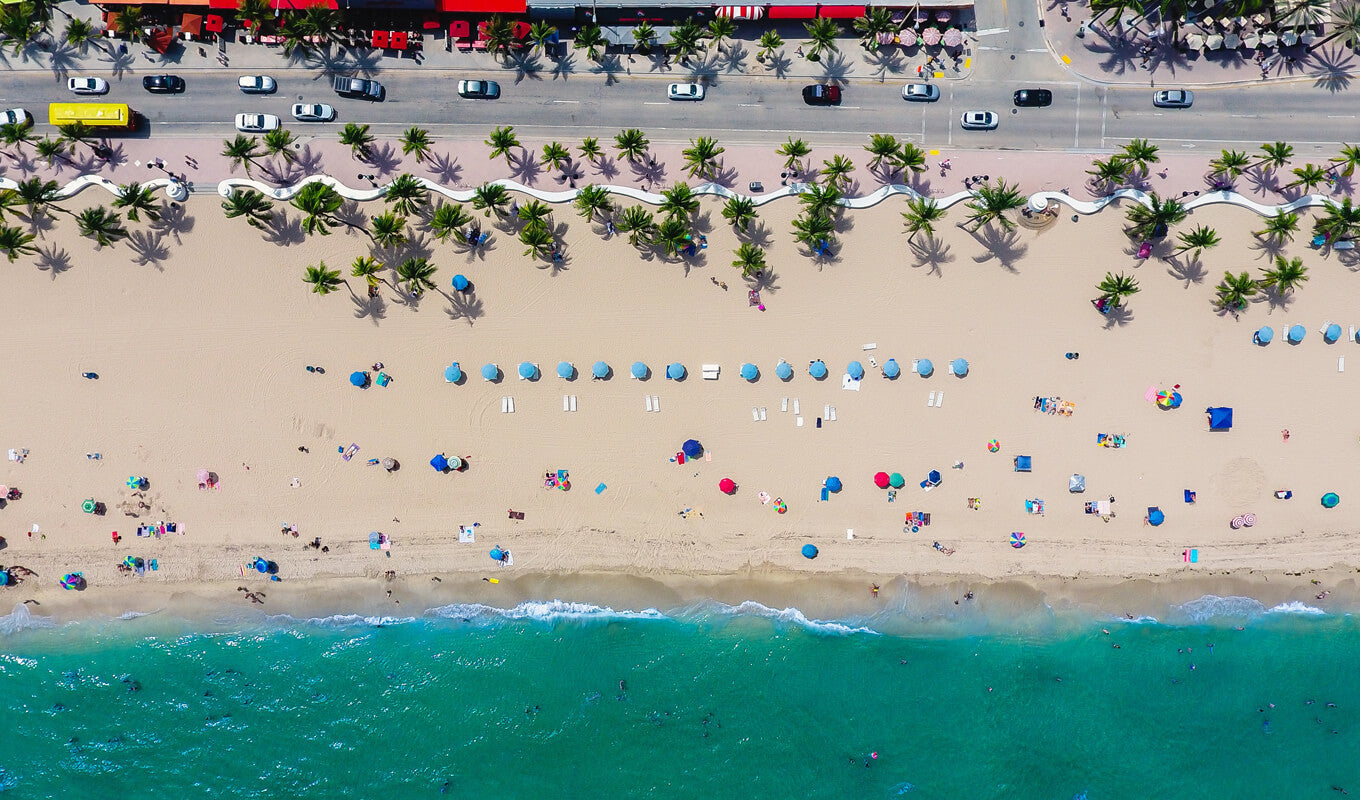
(1023, 463)
(453, 373)
(359, 379)
(809, 551)
(440, 463)
(691, 448)
(959, 367)
(896, 480)
(460, 283)
(1332, 333)
(891, 369)
(639, 370)
(749, 372)
(600, 370)
(924, 368)
(1220, 418)
(833, 484)
(565, 370)
(1155, 516)
(783, 370)
(490, 372)
(817, 369)
(855, 370)
(727, 486)
(1296, 334)
(528, 372)
(1265, 335)
(881, 480)
(1076, 484)
(675, 372)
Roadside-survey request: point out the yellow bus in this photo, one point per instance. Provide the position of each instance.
(96, 115)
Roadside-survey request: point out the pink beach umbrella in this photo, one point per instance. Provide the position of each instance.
(952, 37)
(943, 16)
(727, 486)
(881, 480)
(931, 36)
(1237, 522)
(1248, 520)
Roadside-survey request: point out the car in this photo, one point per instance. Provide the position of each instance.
(313, 112)
(1173, 98)
(359, 88)
(1033, 98)
(256, 123)
(16, 116)
(822, 94)
(479, 90)
(87, 85)
(921, 92)
(257, 84)
(979, 120)
(163, 84)
(685, 91)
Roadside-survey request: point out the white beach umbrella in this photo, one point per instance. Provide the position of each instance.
(1251, 42)
(1269, 39)
(1289, 38)
(1232, 41)
(1214, 42)
(1194, 41)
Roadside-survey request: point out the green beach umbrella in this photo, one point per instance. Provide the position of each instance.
(896, 480)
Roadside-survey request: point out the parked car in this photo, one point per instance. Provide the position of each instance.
(256, 123)
(257, 84)
(979, 120)
(921, 92)
(685, 91)
(16, 116)
(479, 90)
(1033, 98)
(822, 94)
(1173, 98)
(358, 88)
(313, 112)
(163, 84)
(88, 85)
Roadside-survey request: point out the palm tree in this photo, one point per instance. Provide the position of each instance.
(749, 258)
(644, 37)
(740, 212)
(1145, 222)
(678, 201)
(1339, 221)
(910, 158)
(591, 39)
(590, 148)
(280, 142)
(921, 215)
(1234, 291)
(128, 22)
(1310, 176)
(51, 149)
(686, 38)
(990, 203)
(1345, 24)
(318, 21)
(323, 281)
(631, 143)
(418, 274)
(499, 35)
(837, 170)
(701, 157)
(39, 195)
(1197, 239)
(821, 200)
(1231, 163)
(137, 199)
(14, 242)
(1350, 156)
(16, 134)
(387, 229)
(358, 138)
(1140, 153)
(20, 25)
(538, 241)
(541, 33)
(490, 197)
(448, 220)
(875, 21)
(1288, 275)
(318, 204)
(366, 267)
(882, 147)
(555, 154)
(101, 224)
(416, 140)
(638, 223)
(719, 30)
(770, 41)
(822, 33)
(407, 194)
(592, 200)
(79, 34)
(793, 151)
(535, 213)
(250, 204)
(1280, 227)
(1115, 288)
(673, 235)
(502, 141)
(9, 203)
(1110, 172)
(79, 133)
(815, 231)
(255, 12)
(1275, 155)
(241, 151)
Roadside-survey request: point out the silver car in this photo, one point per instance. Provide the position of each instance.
(921, 92)
(256, 84)
(256, 123)
(313, 112)
(685, 91)
(88, 85)
(1173, 98)
(979, 120)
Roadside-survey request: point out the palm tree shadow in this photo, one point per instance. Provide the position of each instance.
(526, 167)
(473, 252)
(836, 68)
(445, 167)
(1118, 57)
(119, 63)
(1003, 245)
(465, 306)
(282, 230)
(759, 234)
(283, 172)
(565, 66)
(607, 166)
(611, 67)
(1334, 65)
(1277, 301)
(373, 307)
(724, 175)
(351, 215)
(1119, 315)
(733, 57)
(174, 220)
(61, 58)
(1191, 270)
(384, 159)
(24, 162)
(39, 224)
(764, 281)
(54, 259)
(931, 252)
(886, 62)
(779, 64)
(308, 159)
(147, 248)
(1268, 248)
(648, 169)
(528, 66)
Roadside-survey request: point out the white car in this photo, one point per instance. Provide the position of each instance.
(921, 92)
(256, 123)
(16, 116)
(685, 91)
(979, 120)
(257, 84)
(313, 112)
(87, 85)
(1173, 98)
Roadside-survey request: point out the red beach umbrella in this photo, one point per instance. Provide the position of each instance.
(881, 480)
(727, 485)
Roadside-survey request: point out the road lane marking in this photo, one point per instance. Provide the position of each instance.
(749, 105)
(654, 103)
(992, 32)
(576, 102)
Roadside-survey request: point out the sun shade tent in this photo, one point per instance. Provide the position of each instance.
(676, 371)
(891, 369)
(1220, 418)
(439, 462)
(1076, 484)
(1024, 464)
(453, 373)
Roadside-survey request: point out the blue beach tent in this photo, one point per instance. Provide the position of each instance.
(1220, 418)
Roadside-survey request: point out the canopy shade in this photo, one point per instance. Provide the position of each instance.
(783, 370)
(1220, 418)
(924, 368)
(749, 372)
(691, 448)
(565, 369)
(934, 476)
(855, 370)
(491, 372)
(600, 370)
(817, 369)
(528, 371)
(460, 282)
(1076, 484)
(959, 367)
(359, 379)
(891, 369)
(453, 373)
(439, 462)
(676, 371)
(639, 370)
(833, 484)
(1265, 335)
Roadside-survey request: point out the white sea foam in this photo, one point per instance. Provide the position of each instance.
(1210, 606)
(345, 621)
(1297, 607)
(20, 619)
(136, 614)
(541, 610)
(751, 608)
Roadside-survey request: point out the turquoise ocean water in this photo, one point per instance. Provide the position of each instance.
(716, 702)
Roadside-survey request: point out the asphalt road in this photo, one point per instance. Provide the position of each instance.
(742, 109)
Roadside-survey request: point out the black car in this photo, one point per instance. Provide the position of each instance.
(163, 84)
(1033, 98)
(822, 94)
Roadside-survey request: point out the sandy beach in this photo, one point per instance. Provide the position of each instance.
(201, 358)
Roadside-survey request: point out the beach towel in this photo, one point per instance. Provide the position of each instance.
(1151, 394)
(466, 535)
(350, 451)
(600, 489)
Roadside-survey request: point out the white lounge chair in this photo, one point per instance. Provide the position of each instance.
(505, 405)
(930, 401)
(566, 403)
(573, 404)
(656, 403)
(939, 399)
(648, 399)
(755, 413)
(511, 402)
(832, 415)
(762, 413)
(795, 406)
(784, 406)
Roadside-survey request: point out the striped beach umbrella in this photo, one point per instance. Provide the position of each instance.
(1248, 520)
(1237, 522)
(1017, 540)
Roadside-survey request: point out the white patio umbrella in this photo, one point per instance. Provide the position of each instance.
(1194, 41)
(1214, 42)
(1307, 37)
(1269, 39)
(1232, 41)
(1251, 42)
(1289, 38)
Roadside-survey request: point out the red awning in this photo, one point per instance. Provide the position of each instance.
(298, 5)
(460, 29)
(227, 4)
(192, 24)
(793, 12)
(841, 12)
(160, 39)
(483, 6)
(213, 23)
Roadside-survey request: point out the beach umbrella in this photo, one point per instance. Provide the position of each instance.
(1265, 334)
(88, 506)
(261, 565)
(1176, 399)
(691, 448)
(749, 372)
(497, 554)
(924, 368)
(565, 370)
(1017, 540)
(453, 373)
(855, 370)
(1332, 333)
(1236, 522)
(455, 462)
(1330, 499)
(1164, 398)
(783, 370)
(891, 369)
(896, 480)
(817, 369)
(993, 446)
(439, 462)
(528, 371)
(833, 484)
(727, 486)
(959, 367)
(639, 370)
(1155, 516)
(490, 372)
(460, 282)
(676, 371)
(1249, 520)
(134, 482)
(389, 463)
(881, 480)
(809, 551)
(1296, 334)
(600, 370)
(359, 379)
(934, 476)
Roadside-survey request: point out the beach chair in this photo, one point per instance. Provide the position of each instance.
(710, 371)
(831, 416)
(566, 403)
(656, 403)
(510, 404)
(573, 404)
(784, 405)
(755, 413)
(1344, 244)
(796, 410)
(930, 401)
(762, 413)
(648, 400)
(939, 400)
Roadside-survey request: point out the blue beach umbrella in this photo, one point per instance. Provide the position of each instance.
(749, 372)
(261, 565)
(856, 370)
(453, 373)
(676, 371)
(959, 367)
(783, 370)
(1265, 335)
(934, 476)
(1332, 333)
(439, 462)
(460, 282)
(491, 372)
(1296, 334)
(691, 448)
(833, 484)
(600, 370)
(809, 551)
(359, 379)
(639, 370)
(497, 554)
(528, 371)
(891, 369)
(1155, 516)
(817, 369)
(924, 368)
(565, 369)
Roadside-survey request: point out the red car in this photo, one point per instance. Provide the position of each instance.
(822, 94)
